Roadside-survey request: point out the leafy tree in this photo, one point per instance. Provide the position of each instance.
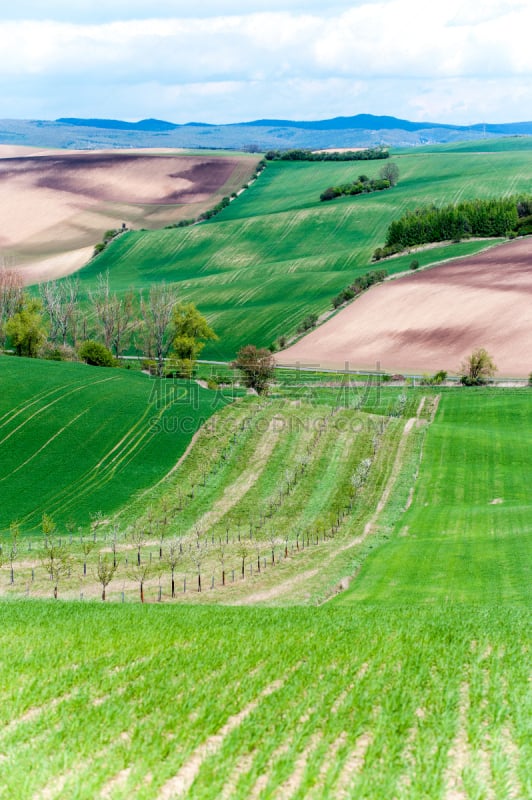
(105, 573)
(26, 328)
(192, 331)
(390, 172)
(96, 354)
(478, 368)
(257, 367)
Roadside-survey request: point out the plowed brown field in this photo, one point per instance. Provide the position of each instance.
(432, 319)
(56, 205)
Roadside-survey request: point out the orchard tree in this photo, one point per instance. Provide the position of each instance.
(478, 368)
(257, 367)
(105, 572)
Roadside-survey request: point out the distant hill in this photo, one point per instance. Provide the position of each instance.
(361, 130)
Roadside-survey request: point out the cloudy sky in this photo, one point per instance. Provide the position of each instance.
(461, 61)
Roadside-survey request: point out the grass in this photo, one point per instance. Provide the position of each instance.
(77, 440)
(412, 684)
(277, 253)
(217, 702)
(468, 533)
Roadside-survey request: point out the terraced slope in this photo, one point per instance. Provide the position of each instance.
(78, 440)
(277, 253)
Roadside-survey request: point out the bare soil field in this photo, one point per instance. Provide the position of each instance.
(431, 320)
(56, 205)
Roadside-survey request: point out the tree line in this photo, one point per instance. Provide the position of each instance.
(369, 154)
(504, 216)
(389, 176)
(59, 324)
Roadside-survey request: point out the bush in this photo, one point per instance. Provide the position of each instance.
(149, 365)
(414, 264)
(96, 354)
(530, 379)
(60, 352)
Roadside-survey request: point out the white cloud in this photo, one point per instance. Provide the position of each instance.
(409, 43)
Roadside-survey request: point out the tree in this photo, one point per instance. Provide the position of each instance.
(390, 172)
(96, 354)
(105, 572)
(26, 328)
(257, 367)
(157, 316)
(174, 557)
(11, 294)
(56, 560)
(60, 301)
(192, 331)
(478, 368)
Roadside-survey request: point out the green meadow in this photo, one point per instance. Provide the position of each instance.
(467, 536)
(277, 253)
(78, 440)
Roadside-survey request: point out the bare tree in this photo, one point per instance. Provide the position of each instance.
(11, 294)
(157, 316)
(174, 557)
(104, 307)
(14, 530)
(87, 546)
(139, 573)
(60, 301)
(105, 572)
(138, 538)
(220, 555)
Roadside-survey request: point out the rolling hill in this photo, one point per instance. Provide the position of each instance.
(277, 253)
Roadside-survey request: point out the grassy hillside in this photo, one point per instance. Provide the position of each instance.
(77, 440)
(278, 253)
(468, 534)
(417, 687)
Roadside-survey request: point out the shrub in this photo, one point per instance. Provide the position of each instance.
(414, 264)
(96, 354)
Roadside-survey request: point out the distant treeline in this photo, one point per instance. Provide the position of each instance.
(358, 286)
(506, 216)
(309, 155)
(363, 185)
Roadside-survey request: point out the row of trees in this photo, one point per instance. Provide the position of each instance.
(369, 154)
(60, 322)
(358, 286)
(492, 217)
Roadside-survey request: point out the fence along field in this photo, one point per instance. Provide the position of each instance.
(277, 253)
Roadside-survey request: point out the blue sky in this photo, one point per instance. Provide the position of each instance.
(456, 61)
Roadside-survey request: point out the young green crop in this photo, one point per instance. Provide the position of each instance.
(277, 254)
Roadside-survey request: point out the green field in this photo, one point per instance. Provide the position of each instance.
(78, 440)
(468, 534)
(351, 614)
(277, 253)
(159, 703)
(412, 684)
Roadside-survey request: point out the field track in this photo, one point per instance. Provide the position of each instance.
(433, 319)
